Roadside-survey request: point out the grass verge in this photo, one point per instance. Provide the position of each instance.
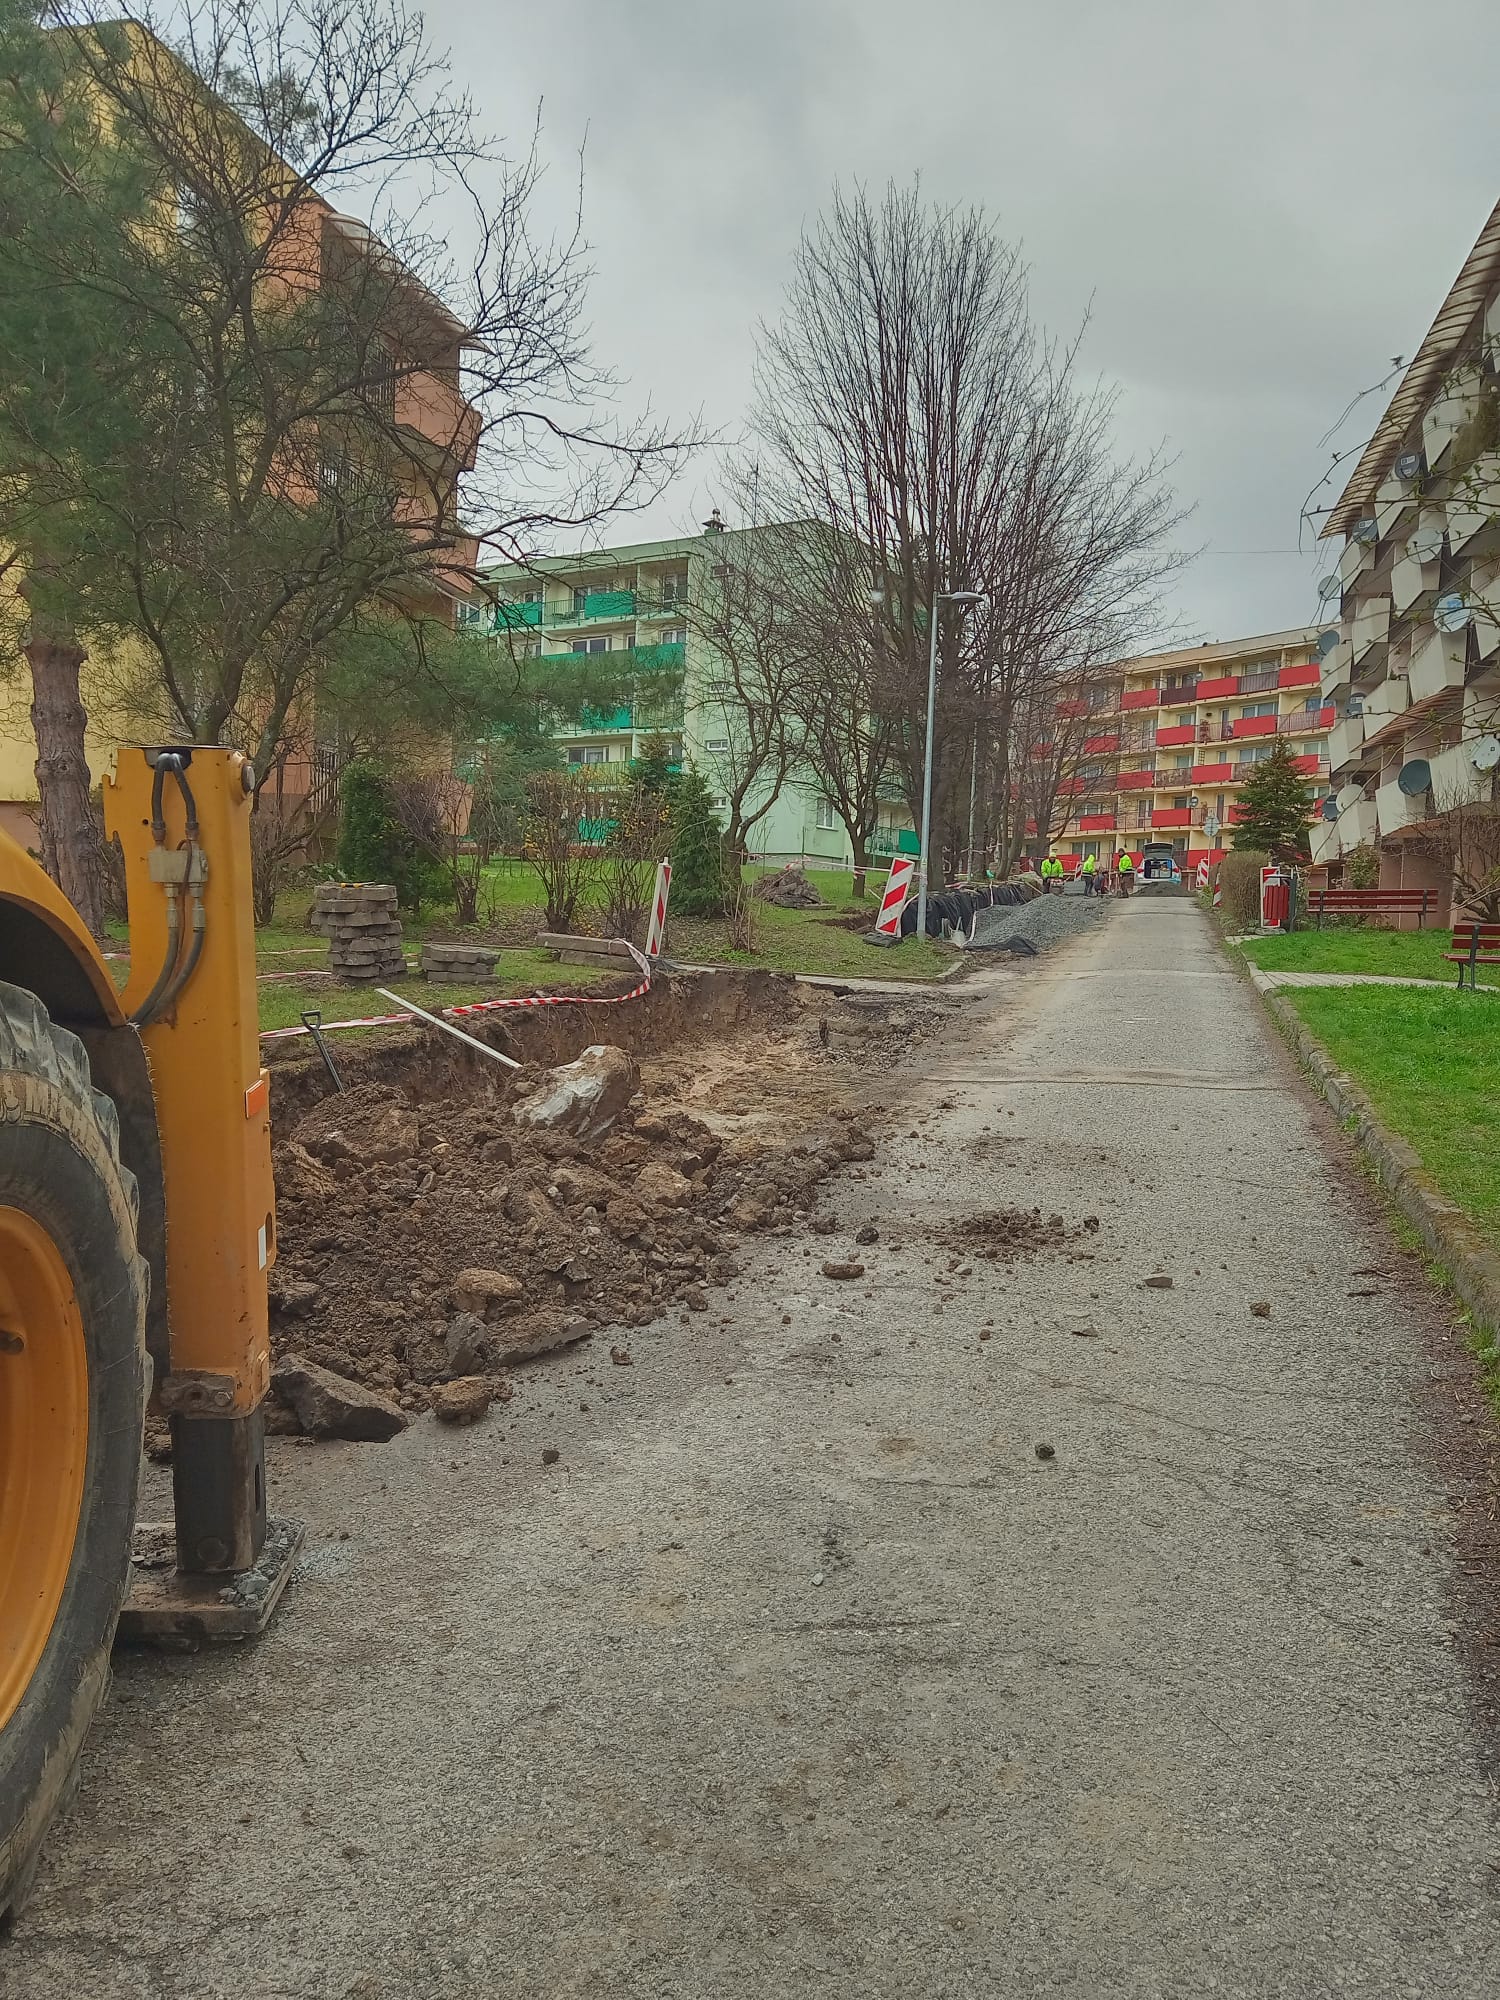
(1430, 1065)
(1392, 954)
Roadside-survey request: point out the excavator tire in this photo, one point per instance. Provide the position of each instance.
(73, 1376)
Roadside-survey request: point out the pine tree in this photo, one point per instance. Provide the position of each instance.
(1274, 809)
(699, 880)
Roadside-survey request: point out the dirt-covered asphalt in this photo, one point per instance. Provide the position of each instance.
(847, 1652)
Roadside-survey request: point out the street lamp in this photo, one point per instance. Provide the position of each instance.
(940, 597)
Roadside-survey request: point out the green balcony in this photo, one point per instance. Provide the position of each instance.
(660, 659)
(596, 604)
(895, 840)
(598, 718)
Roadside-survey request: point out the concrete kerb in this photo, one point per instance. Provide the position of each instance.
(1453, 1241)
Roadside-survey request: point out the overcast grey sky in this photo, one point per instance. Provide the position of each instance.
(1264, 202)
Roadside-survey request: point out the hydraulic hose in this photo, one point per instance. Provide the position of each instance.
(153, 999)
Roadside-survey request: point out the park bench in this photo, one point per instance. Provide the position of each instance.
(1371, 903)
(1473, 945)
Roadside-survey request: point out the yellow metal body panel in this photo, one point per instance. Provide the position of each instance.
(25, 883)
(212, 1114)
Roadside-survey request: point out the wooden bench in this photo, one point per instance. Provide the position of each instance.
(1473, 945)
(1372, 902)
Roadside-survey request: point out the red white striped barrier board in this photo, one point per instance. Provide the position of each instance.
(656, 930)
(1218, 894)
(484, 1006)
(1202, 874)
(897, 889)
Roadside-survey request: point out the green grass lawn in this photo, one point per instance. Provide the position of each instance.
(283, 1001)
(1430, 1065)
(1397, 954)
(786, 941)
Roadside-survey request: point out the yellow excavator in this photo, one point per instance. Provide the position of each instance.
(137, 1222)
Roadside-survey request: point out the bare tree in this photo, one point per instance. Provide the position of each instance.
(312, 424)
(840, 695)
(1463, 837)
(907, 400)
(559, 804)
(755, 651)
(640, 831)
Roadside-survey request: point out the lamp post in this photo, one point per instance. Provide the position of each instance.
(939, 597)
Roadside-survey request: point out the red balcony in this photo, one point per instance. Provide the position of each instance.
(1097, 823)
(1181, 732)
(1100, 746)
(1136, 781)
(1141, 698)
(1218, 690)
(1306, 676)
(1212, 774)
(1255, 725)
(1172, 816)
(1312, 767)
(1326, 717)
(1070, 788)
(1072, 709)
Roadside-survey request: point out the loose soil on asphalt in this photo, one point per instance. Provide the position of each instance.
(1113, 1616)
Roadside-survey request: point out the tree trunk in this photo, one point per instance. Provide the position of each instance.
(861, 863)
(70, 839)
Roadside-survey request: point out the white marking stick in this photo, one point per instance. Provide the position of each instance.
(448, 1028)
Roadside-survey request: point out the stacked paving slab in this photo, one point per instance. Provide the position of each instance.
(363, 931)
(459, 964)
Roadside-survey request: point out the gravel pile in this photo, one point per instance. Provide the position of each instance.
(1042, 923)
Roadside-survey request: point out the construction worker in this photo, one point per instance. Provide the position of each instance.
(1090, 866)
(1052, 869)
(1125, 869)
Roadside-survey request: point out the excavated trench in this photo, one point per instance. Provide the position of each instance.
(423, 1233)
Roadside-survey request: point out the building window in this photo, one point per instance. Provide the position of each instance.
(716, 746)
(468, 615)
(588, 753)
(1180, 805)
(1257, 708)
(674, 589)
(673, 635)
(591, 645)
(1182, 763)
(826, 820)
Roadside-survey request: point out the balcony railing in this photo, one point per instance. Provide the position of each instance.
(588, 608)
(1175, 693)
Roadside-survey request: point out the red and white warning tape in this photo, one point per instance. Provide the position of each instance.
(483, 1006)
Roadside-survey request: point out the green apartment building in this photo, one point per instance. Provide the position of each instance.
(640, 598)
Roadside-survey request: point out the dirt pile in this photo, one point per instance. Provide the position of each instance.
(425, 1235)
(788, 889)
(1002, 1235)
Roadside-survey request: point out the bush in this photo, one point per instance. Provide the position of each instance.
(700, 878)
(374, 846)
(1239, 878)
(1362, 867)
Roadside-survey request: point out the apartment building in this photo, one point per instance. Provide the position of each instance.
(1173, 736)
(643, 600)
(1413, 669)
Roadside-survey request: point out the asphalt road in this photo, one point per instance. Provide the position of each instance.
(802, 1673)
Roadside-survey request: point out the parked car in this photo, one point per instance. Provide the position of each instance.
(1159, 863)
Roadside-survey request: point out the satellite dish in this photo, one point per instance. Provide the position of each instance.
(1426, 544)
(1330, 808)
(1366, 531)
(1486, 753)
(1452, 614)
(1327, 641)
(1415, 778)
(1408, 465)
(1355, 705)
(1330, 587)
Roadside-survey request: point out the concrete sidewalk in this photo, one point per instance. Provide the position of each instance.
(802, 1673)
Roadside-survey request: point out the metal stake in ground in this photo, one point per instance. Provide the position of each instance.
(448, 1028)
